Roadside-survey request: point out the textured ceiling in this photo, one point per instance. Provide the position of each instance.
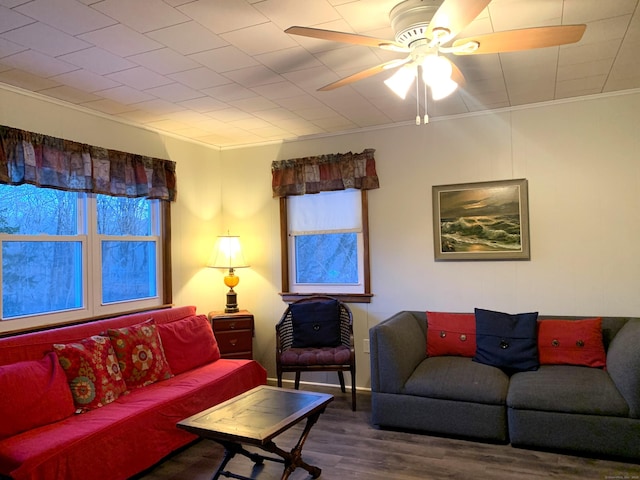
(224, 73)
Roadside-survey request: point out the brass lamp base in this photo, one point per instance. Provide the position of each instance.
(232, 302)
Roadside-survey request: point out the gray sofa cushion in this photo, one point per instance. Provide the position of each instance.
(623, 364)
(568, 389)
(460, 379)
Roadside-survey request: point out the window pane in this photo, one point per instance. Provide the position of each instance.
(128, 271)
(28, 210)
(123, 216)
(39, 277)
(327, 258)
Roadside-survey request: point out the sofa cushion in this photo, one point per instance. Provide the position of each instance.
(188, 343)
(507, 341)
(92, 371)
(451, 334)
(34, 393)
(458, 378)
(316, 324)
(567, 389)
(140, 354)
(623, 364)
(571, 342)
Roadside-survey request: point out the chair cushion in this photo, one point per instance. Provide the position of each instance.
(340, 355)
(316, 324)
(507, 341)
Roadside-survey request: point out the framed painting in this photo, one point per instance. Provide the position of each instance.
(481, 221)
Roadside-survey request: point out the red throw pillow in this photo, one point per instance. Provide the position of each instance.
(188, 343)
(34, 393)
(92, 371)
(451, 334)
(571, 342)
(140, 354)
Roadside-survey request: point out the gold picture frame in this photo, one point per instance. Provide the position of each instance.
(481, 221)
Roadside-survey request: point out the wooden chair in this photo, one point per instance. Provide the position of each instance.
(311, 359)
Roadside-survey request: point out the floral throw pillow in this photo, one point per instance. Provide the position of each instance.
(140, 354)
(92, 371)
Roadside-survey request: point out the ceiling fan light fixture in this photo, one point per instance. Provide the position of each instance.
(443, 89)
(435, 70)
(401, 81)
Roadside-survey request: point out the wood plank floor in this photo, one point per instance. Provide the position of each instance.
(345, 445)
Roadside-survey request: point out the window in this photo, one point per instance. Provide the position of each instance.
(67, 256)
(325, 245)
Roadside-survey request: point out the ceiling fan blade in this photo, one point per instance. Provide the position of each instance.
(454, 16)
(524, 39)
(369, 72)
(347, 38)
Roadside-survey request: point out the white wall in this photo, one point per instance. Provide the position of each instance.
(196, 215)
(581, 162)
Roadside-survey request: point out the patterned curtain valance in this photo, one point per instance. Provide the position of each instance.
(45, 161)
(336, 171)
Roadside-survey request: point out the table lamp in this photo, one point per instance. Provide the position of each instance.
(228, 254)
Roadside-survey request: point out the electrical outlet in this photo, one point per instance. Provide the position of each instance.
(365, 345)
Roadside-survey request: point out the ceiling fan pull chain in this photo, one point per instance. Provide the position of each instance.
(417, 97)
(426, 102)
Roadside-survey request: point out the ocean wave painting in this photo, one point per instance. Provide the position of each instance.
(480, 219)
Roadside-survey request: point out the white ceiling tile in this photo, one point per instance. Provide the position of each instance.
(199, 78)
(254, 76)
(98, 61)
(288, 60)
(26, 80)
(580, 86)
(120, 40)
(142, 15)
(229, 115)
(585, 11)
(10, 19)
(227, 16)
(85, 80)
(38, 63)
(259, 39)
(45, 39)
(224, 59)
(140, 78)
(188, 37)
(513, 14)
(607, 29)
(126, 95)
(583, 70)
(159, 107)
(174, 92)
(253, 104)
(580, 53)
(286, 13)
(66, 15)
(229, 92)
(274, 91)
(164, 61)
(204, 104)
(107, 106)
(9, 48)
(377, 14)
(69, 94)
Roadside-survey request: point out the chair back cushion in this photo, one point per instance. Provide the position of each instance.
(316, 324)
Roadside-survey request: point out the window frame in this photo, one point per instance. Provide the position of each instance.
(93, 309)
(289, 296)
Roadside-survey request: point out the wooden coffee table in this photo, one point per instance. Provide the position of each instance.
(256, 418)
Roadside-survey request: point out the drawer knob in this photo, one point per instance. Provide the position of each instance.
(233, 342)
(232, 326)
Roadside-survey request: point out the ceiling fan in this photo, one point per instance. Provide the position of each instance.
(424, 28)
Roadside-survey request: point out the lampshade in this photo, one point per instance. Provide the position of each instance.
(435, 70)
(227, 253)
(401, 81)
(443, 89)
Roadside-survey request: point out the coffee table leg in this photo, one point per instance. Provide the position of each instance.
(293, 459)
(230, 451)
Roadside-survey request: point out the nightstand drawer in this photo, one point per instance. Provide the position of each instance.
(223, 325)
(235, 341)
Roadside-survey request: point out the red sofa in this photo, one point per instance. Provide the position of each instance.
(45, 437)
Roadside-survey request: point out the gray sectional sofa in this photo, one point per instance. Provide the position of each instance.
(592, 411)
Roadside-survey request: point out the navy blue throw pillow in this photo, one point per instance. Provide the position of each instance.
(316, 324)
(507, 341)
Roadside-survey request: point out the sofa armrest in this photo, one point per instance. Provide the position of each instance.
(397, 346)
(623, 364)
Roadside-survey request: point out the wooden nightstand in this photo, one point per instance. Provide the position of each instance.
(234, 333)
